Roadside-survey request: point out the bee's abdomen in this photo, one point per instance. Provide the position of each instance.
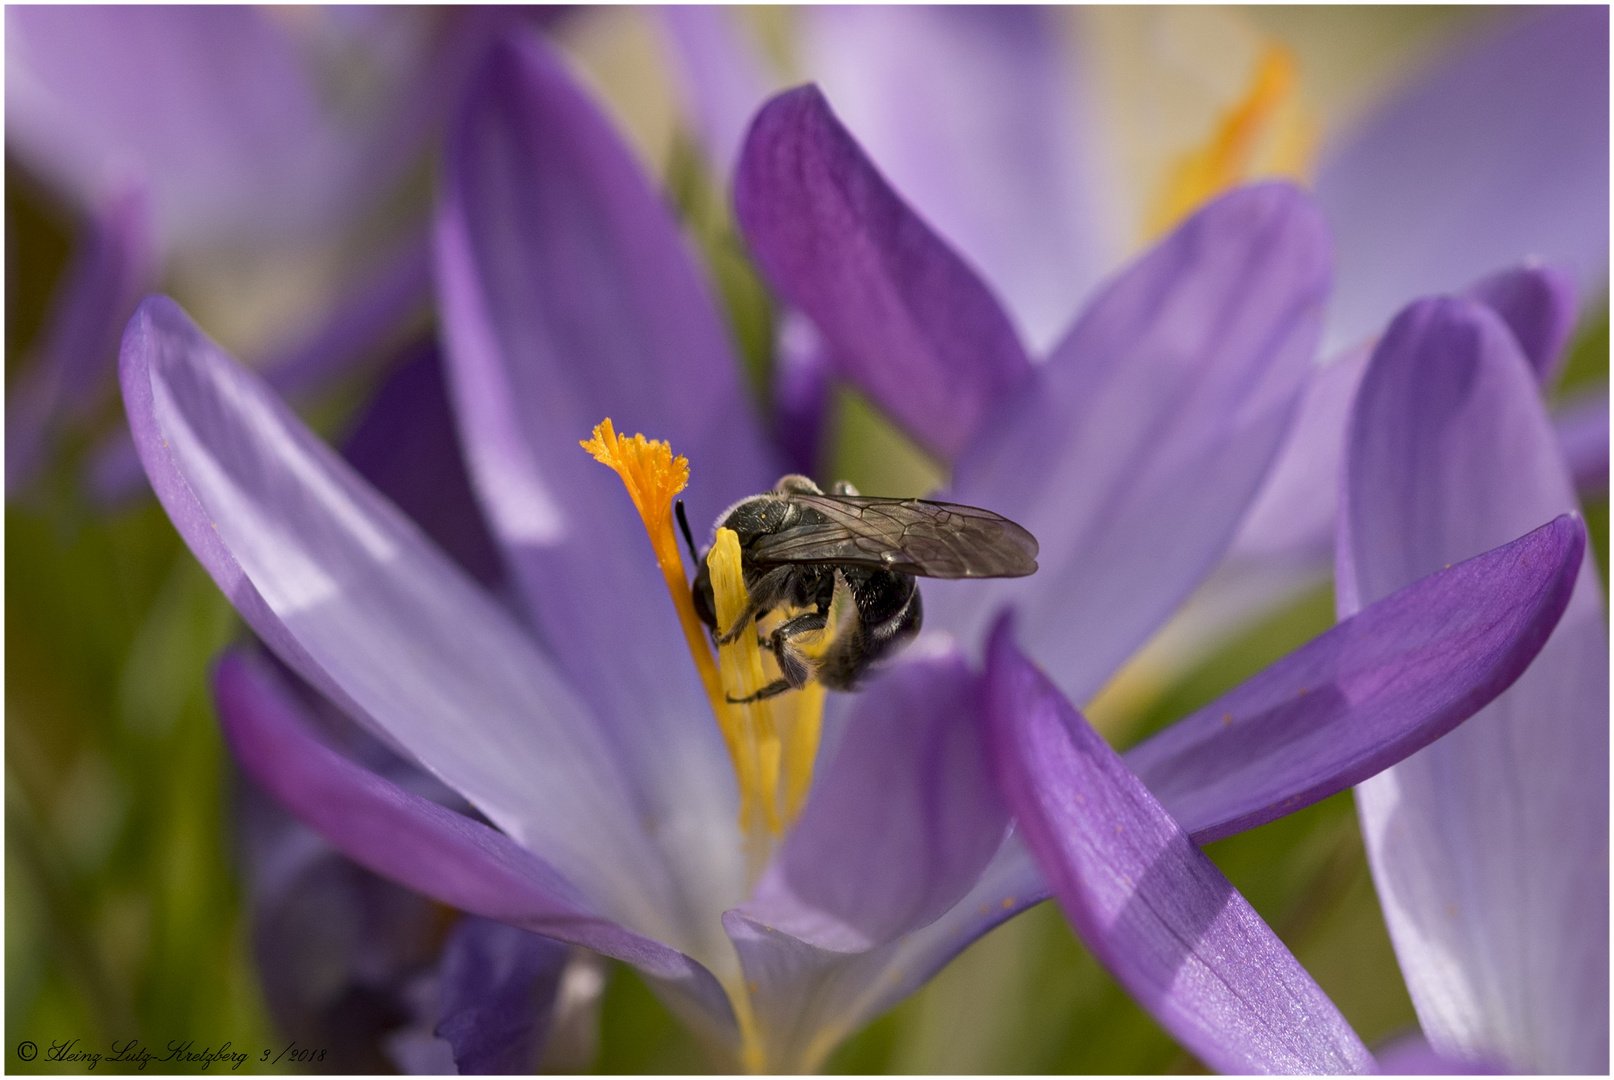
(889, 613)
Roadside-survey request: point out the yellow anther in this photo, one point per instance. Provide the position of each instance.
(1265, 133)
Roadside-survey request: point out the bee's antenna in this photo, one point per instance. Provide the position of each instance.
(683, 523)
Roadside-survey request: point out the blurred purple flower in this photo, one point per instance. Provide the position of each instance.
(984, 119)
(579, 727)
(192, 133)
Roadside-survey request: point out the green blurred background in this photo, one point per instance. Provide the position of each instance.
(124, 907)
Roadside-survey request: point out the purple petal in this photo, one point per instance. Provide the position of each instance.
(569, 295)
(397, 290)
(973, 116)
(345, 589)
(1581, 423)
(405, 444)
(1538, 304)
(1153, 909)
(724, 75)
(1490, 848)
(335, 945)
(1361, 697)
(113, 476)
(497, 990)
(422, 845)
(901, 822)
(71, 373)
(1499, 154)
(1132, 454)
(801, 388)
(905, 318)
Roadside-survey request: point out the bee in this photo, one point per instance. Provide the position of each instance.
(798, 544)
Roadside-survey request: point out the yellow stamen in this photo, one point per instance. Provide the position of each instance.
(752, 731)
(1266, 133)
(772, 743)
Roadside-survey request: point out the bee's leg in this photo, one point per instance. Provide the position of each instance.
(794, 664)
(766, 594)
(773, 689)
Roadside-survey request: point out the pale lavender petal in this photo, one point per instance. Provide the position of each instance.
(898, 862)
(244, 124)
(1133, 452)
(1284, 547)
(1411, 1055)
(1499, 154)
(974, 115)
(1538, 304)
(569, 295)
(801, 384)
(350, 594)
(1148, 903)
(1581, 424)
(405, 444)
(724, 75)
(901, 821)
(496, 990)
(1490, 848)
(905, 318)
(1286, 543)
(426, 847)
(1293, 516)
(1361, 697)
(71, 373)
(807, 998)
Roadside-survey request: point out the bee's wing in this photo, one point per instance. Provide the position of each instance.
(910, 536)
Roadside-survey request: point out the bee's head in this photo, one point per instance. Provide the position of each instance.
(705, 604)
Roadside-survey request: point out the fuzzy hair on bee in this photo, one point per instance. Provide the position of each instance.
(800, 545)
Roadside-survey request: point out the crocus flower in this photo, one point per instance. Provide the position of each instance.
(1489, 849)
(580, 727)
(216, 145)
